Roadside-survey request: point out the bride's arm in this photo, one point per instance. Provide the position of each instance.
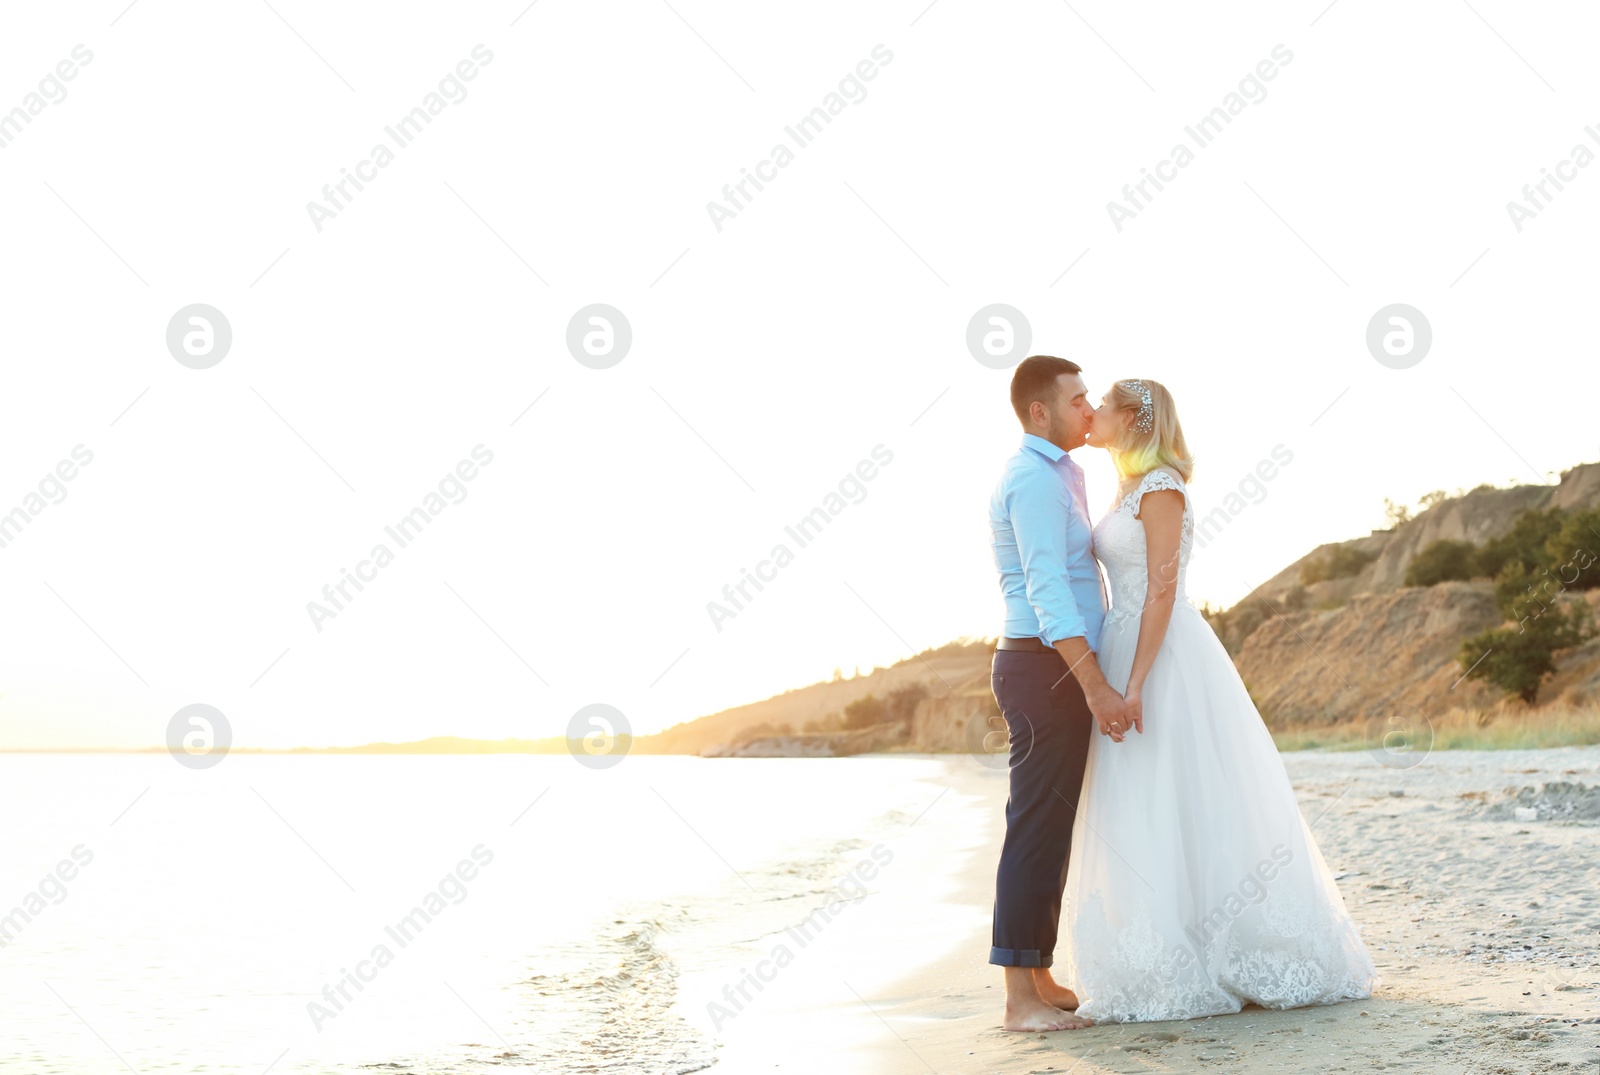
(1161, 511)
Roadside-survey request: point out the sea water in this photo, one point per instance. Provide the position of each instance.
(306, 913)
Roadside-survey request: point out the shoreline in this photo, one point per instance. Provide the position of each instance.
(1502, 726)
(811, 962)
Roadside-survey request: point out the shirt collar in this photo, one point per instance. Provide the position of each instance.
(1043, 447)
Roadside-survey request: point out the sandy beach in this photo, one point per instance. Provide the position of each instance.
(1484, 925)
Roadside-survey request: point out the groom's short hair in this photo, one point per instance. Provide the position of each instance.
(1035, 379)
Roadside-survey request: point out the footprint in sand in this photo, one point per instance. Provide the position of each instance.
(1149, 1042)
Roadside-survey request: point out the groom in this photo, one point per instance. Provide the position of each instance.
(1046, 680)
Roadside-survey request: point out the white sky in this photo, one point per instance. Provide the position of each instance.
(766, 361)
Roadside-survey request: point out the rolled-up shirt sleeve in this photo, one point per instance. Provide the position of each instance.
(1040, 508)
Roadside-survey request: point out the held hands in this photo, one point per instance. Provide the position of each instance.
(1117, 714)
(1114, 713)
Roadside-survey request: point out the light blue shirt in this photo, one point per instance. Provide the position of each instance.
(1043, 547)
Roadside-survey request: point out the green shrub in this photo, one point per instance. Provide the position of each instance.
(1573, 548)
(1518, 659)
(865, 712)
(1524, 543)
(1442, 561)
(1341, 561)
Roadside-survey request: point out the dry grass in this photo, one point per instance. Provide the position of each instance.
(1508, 726)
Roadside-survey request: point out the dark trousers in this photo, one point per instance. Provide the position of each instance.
(1050, 727)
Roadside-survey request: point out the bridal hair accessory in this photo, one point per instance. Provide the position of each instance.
(1146, 416)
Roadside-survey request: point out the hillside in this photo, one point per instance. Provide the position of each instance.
(938, 670)
(1389, 655)
(1485, 512)
(1358, 647)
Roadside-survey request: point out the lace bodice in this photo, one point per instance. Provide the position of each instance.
(1119, 544)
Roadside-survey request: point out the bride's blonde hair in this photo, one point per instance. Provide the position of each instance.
(1162, 444)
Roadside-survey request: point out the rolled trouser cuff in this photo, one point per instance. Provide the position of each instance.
(1020, 957)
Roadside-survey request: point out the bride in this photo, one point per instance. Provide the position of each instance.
(1194, 886)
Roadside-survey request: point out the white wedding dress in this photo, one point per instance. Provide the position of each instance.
(1195, 885)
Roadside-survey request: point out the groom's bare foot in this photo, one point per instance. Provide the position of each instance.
(1028, 1011)
(1036, 1016)
(1052, 992)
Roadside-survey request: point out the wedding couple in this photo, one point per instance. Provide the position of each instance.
(1145, 791)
